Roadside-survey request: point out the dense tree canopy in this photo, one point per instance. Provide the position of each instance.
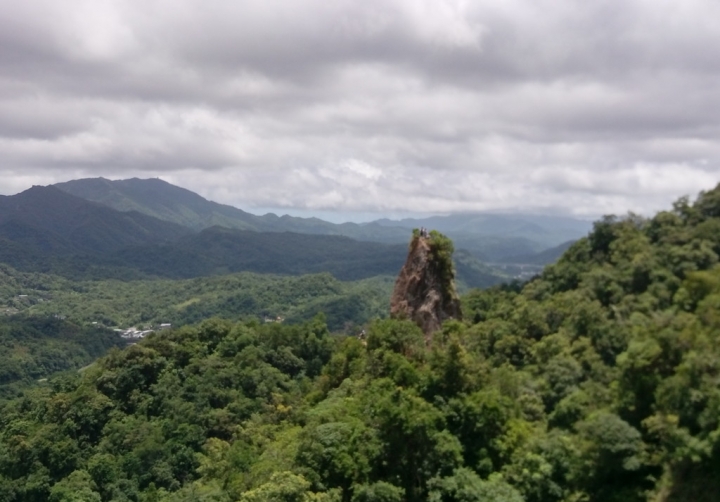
(34, 347)
(596, 381)
(235, 296)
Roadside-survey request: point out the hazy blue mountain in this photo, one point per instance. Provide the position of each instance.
(544, 257)
(539, 231)
(48, 220)
(46, 229)
(489, 237)
(168, 202)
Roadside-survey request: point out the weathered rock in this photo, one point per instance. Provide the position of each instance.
(425, 289)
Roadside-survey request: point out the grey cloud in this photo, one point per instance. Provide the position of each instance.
(404, 105)
(39, 118)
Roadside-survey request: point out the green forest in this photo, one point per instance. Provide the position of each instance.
(33, 347)
(596, 381)
(147, 302)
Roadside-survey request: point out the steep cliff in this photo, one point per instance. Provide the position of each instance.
(425, 289)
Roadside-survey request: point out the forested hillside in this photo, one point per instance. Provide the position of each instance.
(234, 296)
(220, 250)
(167, 202)
(503, 238)
(597, 381)
(33, 347)
(47, 230)
(48, 220)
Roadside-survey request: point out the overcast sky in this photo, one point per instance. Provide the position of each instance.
(373, 106)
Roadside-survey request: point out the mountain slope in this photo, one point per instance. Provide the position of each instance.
(545, 257)
(45, 229)
(490, 237)
(537, 230)
(168, 202)
(220, 250)
(37, 346)
(472, 273)
(597, 381)
(45, 219)
(161, 200)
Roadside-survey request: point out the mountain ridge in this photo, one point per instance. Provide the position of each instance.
(597, 381)
(489, 237)
(44, 229)
(70, 224)
(172, 203)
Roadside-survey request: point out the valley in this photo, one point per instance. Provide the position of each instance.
(266, 366)
(240, 296)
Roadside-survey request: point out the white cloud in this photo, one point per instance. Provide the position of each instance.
(384, 105)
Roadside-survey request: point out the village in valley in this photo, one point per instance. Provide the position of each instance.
(136, 334)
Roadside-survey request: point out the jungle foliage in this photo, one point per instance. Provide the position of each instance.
(34, 347)
(235, 296)
(596, 381)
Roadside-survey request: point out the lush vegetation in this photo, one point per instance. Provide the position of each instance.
(47, 230)
(136, 229)
(237, 296)
(219, 250)
(34, 347)
(442, 249)
(489, 237)
(597, 381)
(49, 221)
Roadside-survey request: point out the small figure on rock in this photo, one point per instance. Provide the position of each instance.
(425, 288)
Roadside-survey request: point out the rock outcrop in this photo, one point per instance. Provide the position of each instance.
(425, 289)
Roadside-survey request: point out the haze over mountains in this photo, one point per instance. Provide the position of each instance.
(164, 201)
(60, 223)
(46, 229)
(489, 237)
(97, 228)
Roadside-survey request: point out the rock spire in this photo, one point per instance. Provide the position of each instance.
(425, 289)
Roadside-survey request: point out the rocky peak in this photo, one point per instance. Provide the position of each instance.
(425, 289)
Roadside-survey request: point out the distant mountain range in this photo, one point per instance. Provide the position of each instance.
(97, 228)
(157, 198)
(45, 229)
(502, 238)
(46, 220)
(488, 237)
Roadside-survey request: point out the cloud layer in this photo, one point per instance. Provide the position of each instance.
(374, 106)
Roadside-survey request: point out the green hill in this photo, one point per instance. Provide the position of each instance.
(35, 347)
(167, 202)
(545, 257)
(597, 381)
(220, 250)
(48, 220)
(47, 230)
(161, 200)
(489, 237)
(235, 296)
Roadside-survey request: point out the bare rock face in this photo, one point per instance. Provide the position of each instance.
(425, 289)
